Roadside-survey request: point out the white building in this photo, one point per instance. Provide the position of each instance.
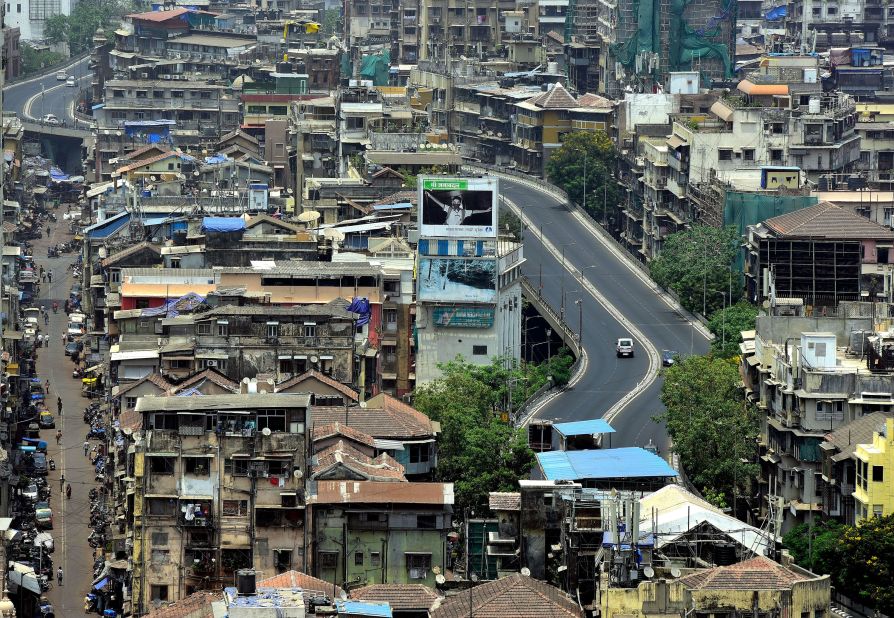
(29, 16)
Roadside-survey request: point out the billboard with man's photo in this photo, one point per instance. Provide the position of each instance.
(458, 207)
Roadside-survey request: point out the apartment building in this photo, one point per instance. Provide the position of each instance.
(452, 29)
(215, 484)
(821, 25)
(873, 495)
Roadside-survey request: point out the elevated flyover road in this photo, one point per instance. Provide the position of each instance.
(568, 256)
(44, 94)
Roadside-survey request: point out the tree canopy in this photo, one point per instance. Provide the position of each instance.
(819, 553)
(586, 160)
(865, 563)
(697, 265)
(727, 326)
(477, 451)
(35, 60)
(86, 18)
(712, 428)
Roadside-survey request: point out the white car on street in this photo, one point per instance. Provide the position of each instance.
(51, 119)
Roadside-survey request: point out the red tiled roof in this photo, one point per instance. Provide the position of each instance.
(136, 154)
(159, 16)
(756, 574)
(516, 595)
(401, 597)
(381, 468)
(383, 417)
(554, 98)
(328, 430)
(826, 220)
(196, 605)
(504, 501)
(206, 374)
(155, 378)
(130, 419)
(595, 101)
(382, 492)
(313, 373)
(137, 164)
(297, 579)
(130, 251)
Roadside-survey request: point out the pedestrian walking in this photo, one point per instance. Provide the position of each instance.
(46, 319)
(49, 276)
(86, 448)
(59, 403)
(43, 277)
(48, 386)
(61, 481)
(59, 576)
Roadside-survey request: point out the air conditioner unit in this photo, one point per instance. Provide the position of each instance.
(144, 75)
(211, 363)
(166, 77)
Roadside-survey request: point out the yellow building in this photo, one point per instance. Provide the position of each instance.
(873, 492)
(756, 587)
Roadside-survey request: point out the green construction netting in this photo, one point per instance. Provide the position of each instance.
(376, 68)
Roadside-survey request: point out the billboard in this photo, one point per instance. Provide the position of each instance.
(457, 280)
(464, 317)
(458, 207)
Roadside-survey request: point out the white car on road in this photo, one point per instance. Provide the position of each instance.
(51, 119)
(71, 82)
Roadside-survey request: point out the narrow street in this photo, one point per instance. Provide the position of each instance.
(71, 517)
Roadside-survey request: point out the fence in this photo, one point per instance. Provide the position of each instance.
(855, 607)
(46, 71)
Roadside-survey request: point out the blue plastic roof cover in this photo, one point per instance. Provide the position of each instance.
(612, 463)
(358, 608)
(583, 428)
(101, 583)
(398, 206)
(223, 224)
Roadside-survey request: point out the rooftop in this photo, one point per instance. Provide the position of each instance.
(827, 221)
(554, 98)
(504, 501)
(211, 40)
(383, 417)
(859, 431)
(161, 16)
(614, 463)
(383, 492)
(313, 374)
(517, 596)
(221, 402)
(342, 457)
(756, 574)
(297, 579)
(321, 432)
(196, 605)
(401, 597)
(583, 428)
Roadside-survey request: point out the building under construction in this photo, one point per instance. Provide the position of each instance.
(632, 46)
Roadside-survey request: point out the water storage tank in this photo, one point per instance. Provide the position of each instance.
(552, 68)
(813, 107)
(245, 582)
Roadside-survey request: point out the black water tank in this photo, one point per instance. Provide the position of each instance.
(724, 554)
(245, 582)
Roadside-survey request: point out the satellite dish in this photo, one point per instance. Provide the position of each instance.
(363, 404)
(307, 216)
(152, 178)
(474, 577)
(436, 570)
(333, 234)
(440, 579)
(266, 431)
(314, 359)
(676, 572)
(649, 572)
(297, 473)
(526, 571)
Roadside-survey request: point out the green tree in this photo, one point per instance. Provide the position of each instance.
(816, 546)
(331, 17)
(713, 429)
(697, 265)
(864, 565)
(586, 161)
(55, 29)
(727, 325)
(476, 450)
(34, 60)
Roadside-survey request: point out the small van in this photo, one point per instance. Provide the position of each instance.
(624, 347)
(61, 76)
(76, 324)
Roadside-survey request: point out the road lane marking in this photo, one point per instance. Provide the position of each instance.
(651, 351)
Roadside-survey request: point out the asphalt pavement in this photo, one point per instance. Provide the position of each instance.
(606, 378)
(71, 517)
(46, 95)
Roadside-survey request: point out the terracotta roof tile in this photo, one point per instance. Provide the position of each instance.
(206, 374)
(595, 101)
(554, 98)
(382, 492)
(340, 429)
(505, 501)
(383, 417)
(154, 378)
(297, 579)
(381, 468)
(516, 595)
(149, 161)
(313, 373)
(826, 220)
(139, 152)
(130, 419)
(160, 16)
(130, 251)
(401, 597)
(756, 574)
(196, 605)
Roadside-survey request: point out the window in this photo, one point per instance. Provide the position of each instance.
(479, 350)
(161, 506)
(878, 510)
(161, 465)
(130, 403)
(177, 94)
(426, 522)
(419, 453)
(776, 155)
(282, 559)
(235, 508)
(328, 559)
(223, 328)
(878, 474)
(310, 330)
(272, 330)
(158, 592)
(197, 466)
(832, 10)
(160, 538)
(160, 556)
(748, 154)
(158, 94)
(142, 94)
(275, 420)
(418, 565)
(724, 154)
(236, 467)
(358, 558)
(279, 467)
(375, 559)
(390, 316)
(204, 95)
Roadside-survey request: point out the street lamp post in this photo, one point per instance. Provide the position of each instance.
(580, 321)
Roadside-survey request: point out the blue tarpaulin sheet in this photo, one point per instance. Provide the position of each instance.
(362, 307)
(57, 174)
(223, 224)
(613, 463)
(776, 14)
(102, 583)
(583, 428)
(218, 158)
(359, 608)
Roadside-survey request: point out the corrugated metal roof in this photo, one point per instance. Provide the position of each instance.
(359, 608)
(629, 462)
(582, 428)
(382, 492)
(222, 402)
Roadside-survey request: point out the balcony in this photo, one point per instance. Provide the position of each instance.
(195, 514)
(279, 443)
